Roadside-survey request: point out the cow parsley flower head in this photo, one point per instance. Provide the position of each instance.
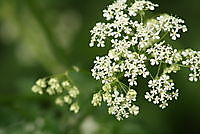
(165, 53)
(60, 86)
(119, 104)
(192, 60)
(172, 25)
(97, 99)
(162, 90)
(138, 43)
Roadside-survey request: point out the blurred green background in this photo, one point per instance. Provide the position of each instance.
(43, 37)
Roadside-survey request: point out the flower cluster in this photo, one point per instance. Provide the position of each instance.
(138, 44)
(141, 6)
(162, 91)
(122, 106)
(114, 8)
(131, 66)
(164, 53)
(120, 23)
(119, 104)
(172, 25)
(172, 69)
(61, 87)
(192, 60)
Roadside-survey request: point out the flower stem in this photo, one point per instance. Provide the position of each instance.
(158, 71)
(163, 37)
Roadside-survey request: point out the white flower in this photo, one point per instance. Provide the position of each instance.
(172, 25)
(99, 33)
(107, 87)
(107, 97)
(54, 85)
(192, 60)
(149, 96)
(173, 68)
(59, 101)
(66, 84)
(162, 91)
(131, 95)
(174, 34)
(122, 105)
(37, 89)
(41, 83)
(51, 91)
(141, 5)
(104, 68)
(66, 92)
(134, 110)
(135, 44)
(161, 52)
(73, 92)
(96, 100)
(67, 99)
(74, 107)
(163, 105)
(114, 9)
